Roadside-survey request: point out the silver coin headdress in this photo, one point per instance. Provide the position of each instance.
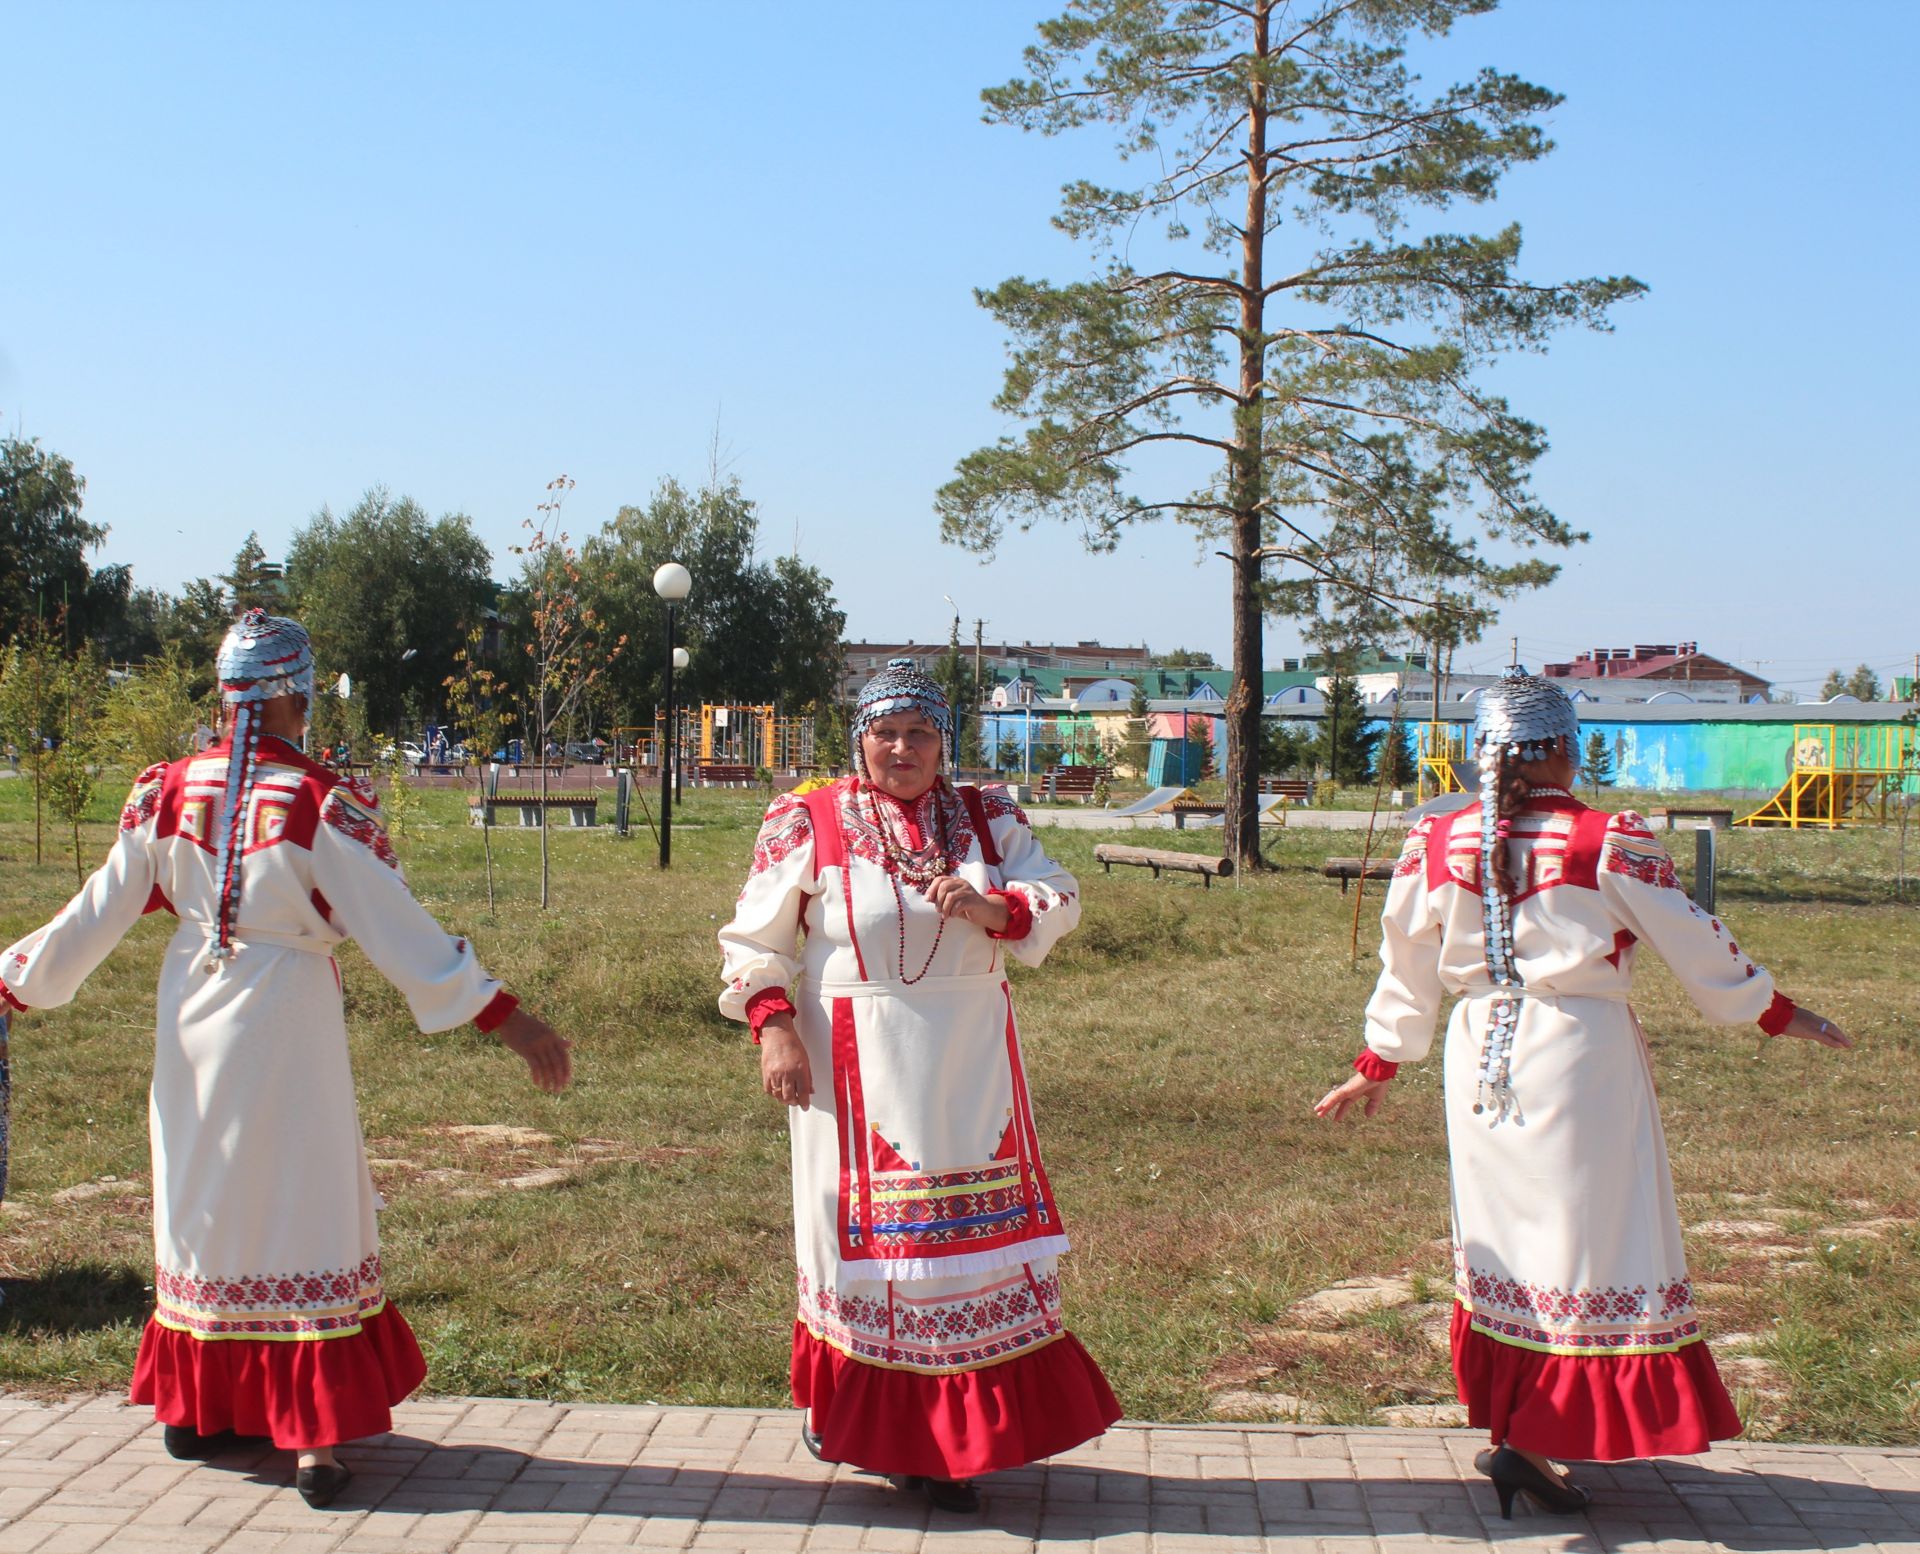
(1525, 717)
(903, 686)
(261, 657)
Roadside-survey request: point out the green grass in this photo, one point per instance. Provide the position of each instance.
(1177, 1042)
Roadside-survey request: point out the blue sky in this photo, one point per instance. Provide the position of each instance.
(258, 259)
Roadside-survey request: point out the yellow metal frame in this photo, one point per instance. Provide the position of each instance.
(1841, 775)
(1442, 748)
(785, 744)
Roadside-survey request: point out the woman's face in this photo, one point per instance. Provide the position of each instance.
(902, 752)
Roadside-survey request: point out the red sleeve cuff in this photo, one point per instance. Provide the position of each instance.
(1779, 1012)
(1019, 915)
(764, 1005)
(1371, 1064)
(491, 1018)
(7, 998)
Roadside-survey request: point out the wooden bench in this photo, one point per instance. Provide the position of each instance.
(1075, 781)
(722, 774)
(1295, 790)
(517, 768)
(1182, 813)
(1208, 868)
(1347, 870)
(582, 807)
(1700, 817)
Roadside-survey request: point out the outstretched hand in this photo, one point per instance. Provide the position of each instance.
(1808, 1026)
(1358, 1090)
(548, 1054)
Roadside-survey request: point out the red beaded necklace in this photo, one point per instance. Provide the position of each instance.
(920, 867)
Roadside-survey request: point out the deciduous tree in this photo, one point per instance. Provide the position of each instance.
(1275, 304)
(389, 596)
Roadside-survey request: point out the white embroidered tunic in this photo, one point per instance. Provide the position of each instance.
(926, 1231)
(1566, 1238)
(263, 1208)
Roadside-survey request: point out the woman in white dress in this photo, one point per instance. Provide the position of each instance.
(868, 952)
(271, 1316)
(1574, 1330)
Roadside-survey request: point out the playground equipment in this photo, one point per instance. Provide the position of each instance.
(1841, 775)
(1444, 767)
(734, 734)
(737, 736)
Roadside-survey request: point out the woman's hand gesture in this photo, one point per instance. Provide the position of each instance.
(956, 898)
(548, 1054)
(1358, 1090)
(785, 1073)
(1808, 1026)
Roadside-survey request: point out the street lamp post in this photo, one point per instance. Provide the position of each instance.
(681, 659)
(672, 582)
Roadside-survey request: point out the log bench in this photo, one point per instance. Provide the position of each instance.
(1347, 870)
(1208, 868)
(581, 807)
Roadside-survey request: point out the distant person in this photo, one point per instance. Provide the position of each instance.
(869, 954)
(271, 1315)
(13, 756)
(1574, 1330)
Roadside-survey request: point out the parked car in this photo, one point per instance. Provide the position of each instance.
(411, 753)
(585, 752)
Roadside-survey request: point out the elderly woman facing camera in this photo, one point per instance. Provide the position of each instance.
(1574, 1330)
(868, 953)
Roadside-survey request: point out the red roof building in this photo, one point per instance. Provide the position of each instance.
(1678, 662)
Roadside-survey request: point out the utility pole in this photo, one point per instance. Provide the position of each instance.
(988, 758)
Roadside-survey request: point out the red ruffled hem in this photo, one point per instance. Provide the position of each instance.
(1591, 1408)
(313, 1392)
(1043, 1402)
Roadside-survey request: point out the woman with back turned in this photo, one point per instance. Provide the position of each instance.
(1574, 1331)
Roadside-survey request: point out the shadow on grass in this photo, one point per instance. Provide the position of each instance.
(1784, 1506)
(76, 1298)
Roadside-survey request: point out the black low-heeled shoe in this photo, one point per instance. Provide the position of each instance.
(319, 1484)
(191, 1446)
(1512, 1474)
(810, 1438)
(943, 1494)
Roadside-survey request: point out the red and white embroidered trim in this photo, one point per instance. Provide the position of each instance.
(313, 1304)
(345, 814)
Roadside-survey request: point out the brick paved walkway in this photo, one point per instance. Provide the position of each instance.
(500, 1478)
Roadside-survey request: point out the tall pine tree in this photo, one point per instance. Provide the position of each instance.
(1267, 304)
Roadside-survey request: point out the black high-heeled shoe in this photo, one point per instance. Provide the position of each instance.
(1512, 1474)
(321, 1483)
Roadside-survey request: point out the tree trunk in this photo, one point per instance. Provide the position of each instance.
(486, 843)
(1247, 480)
(541, 756)
(79, 874)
